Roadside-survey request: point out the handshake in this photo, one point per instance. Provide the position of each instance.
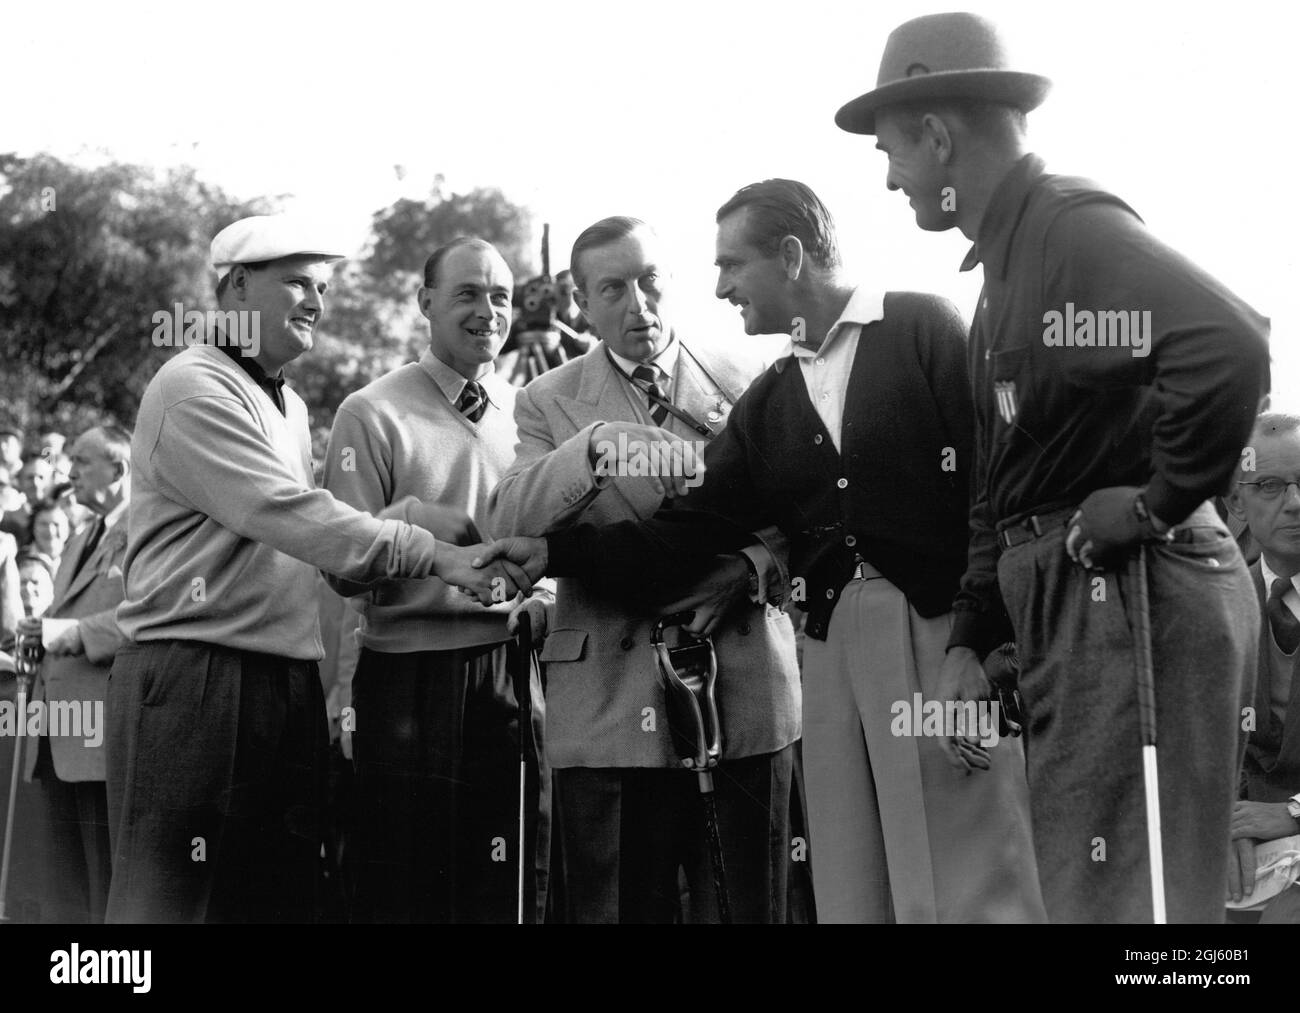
(489, 572)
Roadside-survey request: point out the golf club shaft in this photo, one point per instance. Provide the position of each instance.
(9, 812)
(1146, 688)
(715, 854)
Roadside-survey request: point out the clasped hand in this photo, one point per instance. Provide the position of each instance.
(495, 572)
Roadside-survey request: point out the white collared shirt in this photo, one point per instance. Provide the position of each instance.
(665, 364)
(450, 382)
(1292, 597)
(826, 369)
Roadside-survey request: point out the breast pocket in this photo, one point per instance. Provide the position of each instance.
(564, 645)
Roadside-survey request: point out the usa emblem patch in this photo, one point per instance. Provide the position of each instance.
(1005, 393)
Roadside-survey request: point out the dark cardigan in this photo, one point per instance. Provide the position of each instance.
(897, 496)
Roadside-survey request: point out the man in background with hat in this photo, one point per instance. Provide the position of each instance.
(1089, 444)
(217, 729)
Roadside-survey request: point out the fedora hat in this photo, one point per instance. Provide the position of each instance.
(943, 56)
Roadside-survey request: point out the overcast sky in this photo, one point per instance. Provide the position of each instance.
(586, 108)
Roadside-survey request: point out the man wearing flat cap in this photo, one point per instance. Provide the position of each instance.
(1115, 384)
(216, 722)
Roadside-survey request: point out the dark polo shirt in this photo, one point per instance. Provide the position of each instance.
(273, 385)
(1054, 422)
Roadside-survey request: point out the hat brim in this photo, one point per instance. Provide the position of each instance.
(1024, 91)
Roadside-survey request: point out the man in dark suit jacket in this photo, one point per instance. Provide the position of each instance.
(81, 637)
(1267, 497)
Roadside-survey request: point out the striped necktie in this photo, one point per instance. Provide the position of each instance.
(472, 403)
(647, 375)
(1286, 627)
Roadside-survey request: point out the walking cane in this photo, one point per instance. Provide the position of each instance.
(696, 728)
(27, 657)
(522, 678)
(1147, 717)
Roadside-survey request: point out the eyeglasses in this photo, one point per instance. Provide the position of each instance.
(1271, 488)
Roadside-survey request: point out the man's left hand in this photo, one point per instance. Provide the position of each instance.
(62, 636)
(717, 593)
(1263, 821)
(538, 611)
(1105, 527)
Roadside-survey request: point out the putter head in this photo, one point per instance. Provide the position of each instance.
(689, 672)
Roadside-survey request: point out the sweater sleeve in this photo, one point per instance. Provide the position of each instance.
(1208, 358)
(211, 457)
(358, 472)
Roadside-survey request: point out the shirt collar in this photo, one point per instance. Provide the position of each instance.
(666, 360)
(865, 305)
(450, 382)
(273, 385)
(115, 515)
(993, 240)
(1269, 577)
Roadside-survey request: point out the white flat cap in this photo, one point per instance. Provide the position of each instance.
(268, 237)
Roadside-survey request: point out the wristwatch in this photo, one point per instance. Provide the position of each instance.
(1293, 806)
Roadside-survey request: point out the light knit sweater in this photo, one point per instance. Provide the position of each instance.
(402, 439)
(226, 529)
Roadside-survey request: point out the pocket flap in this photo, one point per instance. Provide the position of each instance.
(563, 645)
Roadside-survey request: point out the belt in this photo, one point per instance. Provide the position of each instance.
(1028, 527)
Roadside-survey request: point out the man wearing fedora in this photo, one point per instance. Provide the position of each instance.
(1115, 384)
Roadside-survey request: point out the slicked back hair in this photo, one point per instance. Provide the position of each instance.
(786, 207)
(440, 254)
(604, 232)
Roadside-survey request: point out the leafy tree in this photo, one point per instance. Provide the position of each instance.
(87, 256)
(372, 323)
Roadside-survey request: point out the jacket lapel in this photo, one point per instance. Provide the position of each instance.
(698, 395)
(602, 396)
(71, 553)
(109, 543)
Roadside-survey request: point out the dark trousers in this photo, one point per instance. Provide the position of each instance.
(216, 784)
(74, 845)
(1085, 762)
(623, 834)
(436, 750)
